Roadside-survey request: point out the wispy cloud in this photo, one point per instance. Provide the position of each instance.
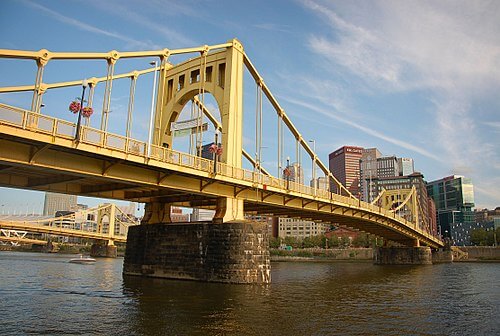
(274, 27)
(86, 27)
(493, 124)
(173, 36)
(448, 49)
(362, 128)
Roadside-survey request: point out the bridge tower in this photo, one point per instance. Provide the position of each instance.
(220, 74)
(228, 249)
(106, 217)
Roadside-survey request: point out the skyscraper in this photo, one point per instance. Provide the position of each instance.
(371, 166)
(321, 183)
(406, 166)
(296, 173)
(344, 165)
(58, 202)
(368, 171)
(454, 199)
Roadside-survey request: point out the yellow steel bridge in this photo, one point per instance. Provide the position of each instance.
(41, 152)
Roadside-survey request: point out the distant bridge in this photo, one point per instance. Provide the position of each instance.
(110, 224)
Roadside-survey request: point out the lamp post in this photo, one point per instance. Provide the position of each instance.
(494, 236)
(215, 152)
(287, 169)
(314, 165)
(85, 83)
(155, 63)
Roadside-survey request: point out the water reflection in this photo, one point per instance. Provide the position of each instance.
(43, 294)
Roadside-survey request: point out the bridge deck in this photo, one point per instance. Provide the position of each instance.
(39, 153)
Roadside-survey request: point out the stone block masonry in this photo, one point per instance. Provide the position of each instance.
(231, 252)
(403, 256)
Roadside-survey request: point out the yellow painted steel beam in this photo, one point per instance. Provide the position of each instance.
(252, 161)
(181, 172)
(58, 231)
(191, 184)
(23, 240)
(46, 54)
(93, 81)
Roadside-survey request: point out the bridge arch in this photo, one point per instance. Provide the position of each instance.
(220, 74)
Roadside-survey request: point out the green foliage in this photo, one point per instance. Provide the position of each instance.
(345, 242)
(333, 242)
(482, 237)
(361, 240)
(292, 241)
(274, 242)
(304, 254)
(314, 241)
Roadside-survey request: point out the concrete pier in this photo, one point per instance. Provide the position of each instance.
(101, 250)
(231, 252)
(403, 256)
(442, 256)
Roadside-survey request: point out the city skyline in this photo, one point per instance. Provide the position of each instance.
(368, 73)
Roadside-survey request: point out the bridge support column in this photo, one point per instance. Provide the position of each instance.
(156, 212)
(101, 250)
(231, 252)
(419, 255)
(442, 256)
(228, 209)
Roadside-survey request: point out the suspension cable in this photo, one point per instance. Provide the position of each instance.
(133, 82)
(107, 95)
(38, 82)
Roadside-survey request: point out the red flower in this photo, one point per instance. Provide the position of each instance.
(219, 150)
(213, 148)
(87, 111)
(74, 106)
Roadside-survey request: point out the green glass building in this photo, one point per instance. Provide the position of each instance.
(454, 199)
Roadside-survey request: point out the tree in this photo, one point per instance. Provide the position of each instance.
(345, 242)
(274, 242)
(292, 241)
(361, 240)
(479, 237)
(333, 242)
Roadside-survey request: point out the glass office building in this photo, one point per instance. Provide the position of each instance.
(454, 199)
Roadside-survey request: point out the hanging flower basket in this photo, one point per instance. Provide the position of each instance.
(219, 151)
(87, 111)
(74, 106)
(215, 149)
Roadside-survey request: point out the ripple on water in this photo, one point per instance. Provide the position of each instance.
(45, 295)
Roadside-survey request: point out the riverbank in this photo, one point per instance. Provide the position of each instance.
(477, 253)
(460, 254)
(349, 254)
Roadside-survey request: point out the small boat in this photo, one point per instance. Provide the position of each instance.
(82, 260)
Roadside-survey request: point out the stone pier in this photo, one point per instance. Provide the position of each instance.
(419, 255)
(229, 252)
(101, 250)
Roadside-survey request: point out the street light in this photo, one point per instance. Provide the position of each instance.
(155, 63)
(85, 83)
(314, 164)
(287, 172)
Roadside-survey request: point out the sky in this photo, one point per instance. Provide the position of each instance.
(416, 79)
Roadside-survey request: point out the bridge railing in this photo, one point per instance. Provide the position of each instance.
(61, 128)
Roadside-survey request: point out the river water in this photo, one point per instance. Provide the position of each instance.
(43, 294)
